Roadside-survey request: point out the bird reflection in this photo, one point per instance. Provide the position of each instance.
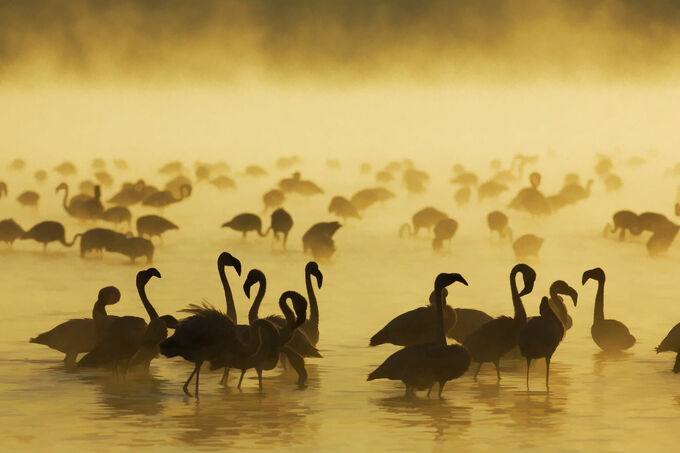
(603, 357)
(446, 419)
(264, 420)
(141, 394)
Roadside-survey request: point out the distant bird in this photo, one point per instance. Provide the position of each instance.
(40, 175)
(17, 164)
(426, 218)
(384, 177)
(365, 198)
(495, 338)
(498, 222)
(672, 344)
(29, 198)
(98, 164)
(154, 225)
(92, 207)
(127, 335)
(281, 223)
(104, 178)
(172, 167)
(10, 231)
(165, 198)
(608, 334)
(490, 189)
(98, 239)
(662, 239)
(176, 183)
(117, 215)
(130, 194)
(444, 230)
(255, 171)
(422, 365)
(66, 169)
(466, 179)
(343, 208)
(318, 239)
(300, 186)
(612, 182)
(462, 196)
(530, 199)
(3, 189)
(273, 199)
(87, 187)
(526, 246)
(573, 193)
(223, 182)
(622, 221)
(245, 223)
(133, 248)
(653, 221)
(49, 231)
(541, 335)
(74, 206)
(77, 336)
(120, 164)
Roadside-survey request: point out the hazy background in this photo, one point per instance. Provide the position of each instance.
(351, 78)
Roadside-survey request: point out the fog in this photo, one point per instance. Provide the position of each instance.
(430, 85)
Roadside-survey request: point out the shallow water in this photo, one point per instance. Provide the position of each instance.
(596, 402)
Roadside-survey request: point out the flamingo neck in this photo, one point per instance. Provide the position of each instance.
(520, 313)
(145, 301)
(253, 314)
(599, 302)
(229, 298)
(313, 307)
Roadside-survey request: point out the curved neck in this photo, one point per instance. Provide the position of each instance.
(253, 314)
(231, 308)
(145, 301)
(520, 313)
(63, 201)
(313, 307)
(287, 333)
(99, 310)
(287, 313)
(599, 302)
(73, 241)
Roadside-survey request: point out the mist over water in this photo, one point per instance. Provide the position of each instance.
(439, 83)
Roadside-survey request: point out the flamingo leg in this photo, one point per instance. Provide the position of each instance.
(441, 388)
(186, 384)
(528, 364)
(70, 360)
(198, 373)
(477, 372)
(259, 378)
(225, 377)
(547, 372)
(498, 368)
(243, 373)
